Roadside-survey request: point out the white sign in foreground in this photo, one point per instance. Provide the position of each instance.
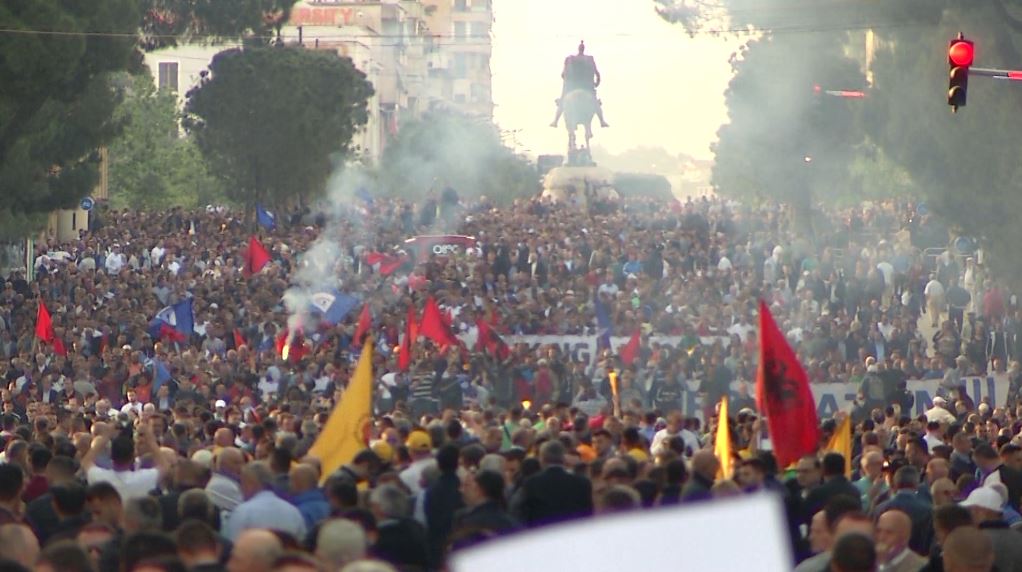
(691, 537)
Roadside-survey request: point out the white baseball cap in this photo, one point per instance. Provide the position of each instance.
(984, 497)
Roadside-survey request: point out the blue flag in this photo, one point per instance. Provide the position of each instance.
(265, 218)
(176, 322)
(363, 195)
(333, 305)
(603, 324)
(160, 375)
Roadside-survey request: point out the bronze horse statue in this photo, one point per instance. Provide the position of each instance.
(580, 107)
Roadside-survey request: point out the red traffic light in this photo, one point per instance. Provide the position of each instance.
(961, 53)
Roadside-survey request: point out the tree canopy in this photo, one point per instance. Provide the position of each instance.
(901, 138)
(58, 61)
(449, 150)
(152, 164)
(275, 121)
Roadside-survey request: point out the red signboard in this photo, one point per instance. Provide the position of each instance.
(322, 16)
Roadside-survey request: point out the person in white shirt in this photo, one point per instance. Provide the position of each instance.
(935, 303)
(130, 483)
(268, 386)
(224, 487)
(419, 448)
(675, 428)
(156, 254)
(114, 261)
(133, 405)
(934, 435)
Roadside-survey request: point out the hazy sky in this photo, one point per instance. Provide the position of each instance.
(660, 87)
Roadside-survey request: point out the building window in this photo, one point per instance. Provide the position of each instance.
(459, 30)
(480, 30)
(460, 66)
(479, 93)
(461, 5)
(168, 76)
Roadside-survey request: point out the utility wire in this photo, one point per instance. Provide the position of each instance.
(406, 39)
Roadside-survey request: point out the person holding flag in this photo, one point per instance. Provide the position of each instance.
(347, 429)
(783, 395)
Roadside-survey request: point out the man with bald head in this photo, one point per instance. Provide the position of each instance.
(307, 496)
(943, 492)
(18, 543)
(704, 470)
(254, 551)
(967, 549)
(222, 439)
(893, 530)
(224, 486)
(937, 468)
(872, 484)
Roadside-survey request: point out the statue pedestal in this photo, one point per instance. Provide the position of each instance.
(579, 158)
(576, 184)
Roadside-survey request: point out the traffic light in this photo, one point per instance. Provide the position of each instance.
(960, 53)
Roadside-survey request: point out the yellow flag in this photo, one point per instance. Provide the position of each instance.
(722, 442)
(841, 442)
(347, 431)
(613, 383)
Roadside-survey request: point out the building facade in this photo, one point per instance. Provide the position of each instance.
(420, 55)
(460, 47)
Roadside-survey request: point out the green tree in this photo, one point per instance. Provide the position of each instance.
(275, 121)
(967, 164)
(786, 138)
(964, 166)
(152, 164)
(57, 101)
(58, 59)
(446, 149)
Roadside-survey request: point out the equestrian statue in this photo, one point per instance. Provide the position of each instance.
(578, 102)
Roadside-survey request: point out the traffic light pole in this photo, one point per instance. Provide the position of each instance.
(1011, 75)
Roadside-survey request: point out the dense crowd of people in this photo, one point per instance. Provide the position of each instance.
(128, 452)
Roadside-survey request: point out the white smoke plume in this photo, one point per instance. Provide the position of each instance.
(327, 264)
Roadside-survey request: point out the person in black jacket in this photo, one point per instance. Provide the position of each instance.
(907, 500)
(69, 504)
(834, 483)
(554, 495)
(486, 516)
(676, 474)
(40, 512)
(704, 470)
(188, 475)
(400, 539)
(994, 470)
(443, 499)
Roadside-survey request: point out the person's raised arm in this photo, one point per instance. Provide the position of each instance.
(99, 442)
(145, 431)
